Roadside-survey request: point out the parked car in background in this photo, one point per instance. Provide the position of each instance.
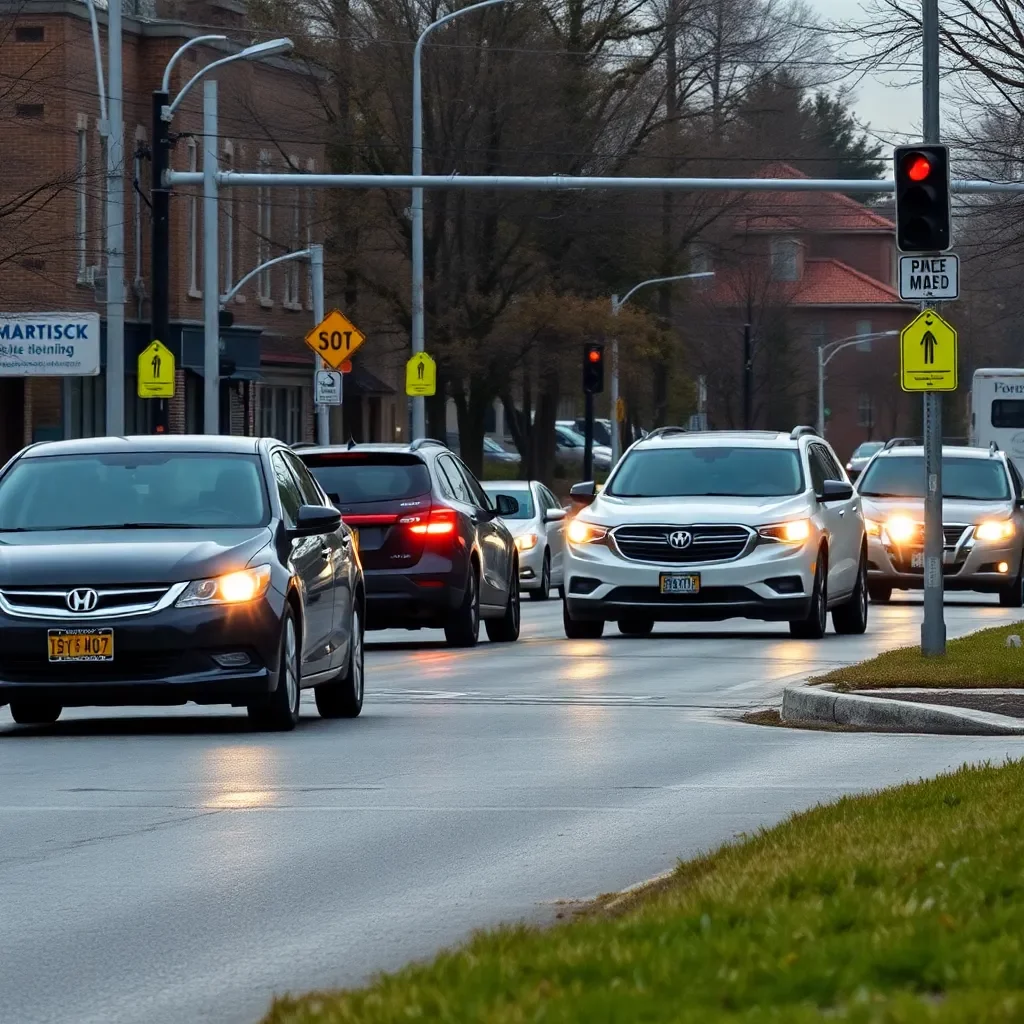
(602, 430)
(570, 445)
(861, 457)
(494, 454)
(539, 531)
(434, 550)
(982, 522)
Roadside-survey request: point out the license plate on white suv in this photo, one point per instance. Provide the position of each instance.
(917, 560)
(680, 583)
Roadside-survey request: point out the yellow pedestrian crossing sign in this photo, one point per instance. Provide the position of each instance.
(421, 375)
(928, 355)
(156, 372)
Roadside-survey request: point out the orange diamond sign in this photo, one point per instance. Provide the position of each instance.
(335, 338)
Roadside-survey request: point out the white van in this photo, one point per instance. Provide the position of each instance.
(997, 411)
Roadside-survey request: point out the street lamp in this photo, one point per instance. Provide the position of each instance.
(826, 352)
(419, 418)
(617, 304)
(163, 112)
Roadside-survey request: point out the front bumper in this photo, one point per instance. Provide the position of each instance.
(771, 582)
(967, 565)
(162, 659)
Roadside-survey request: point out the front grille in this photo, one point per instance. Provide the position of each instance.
(53, 602)
(707, 543)
(706, 595)
(127, 665)
(951, 534)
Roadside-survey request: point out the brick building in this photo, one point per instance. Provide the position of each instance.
(52, 205)
(805, 269)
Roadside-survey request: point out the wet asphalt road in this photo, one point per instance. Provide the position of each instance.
(170, 865)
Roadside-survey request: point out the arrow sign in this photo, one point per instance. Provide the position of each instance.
(928, 342)
(928, 354)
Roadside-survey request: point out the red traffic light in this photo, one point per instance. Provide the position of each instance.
(918, 167)
(594, 355)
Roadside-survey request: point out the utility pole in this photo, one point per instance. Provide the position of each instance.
(933, 628)
(316, 270)
(160, 197)
(115, 224)
(748, 379)
(211, 265)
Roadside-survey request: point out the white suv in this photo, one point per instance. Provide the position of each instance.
(718, 525)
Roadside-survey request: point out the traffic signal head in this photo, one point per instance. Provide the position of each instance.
(593, 369)
(922, 199)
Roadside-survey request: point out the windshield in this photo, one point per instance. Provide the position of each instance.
(566, 437)
(708, 472)
(356, 477)
(866, 449)
(968, 479)
(139, 490)
(521, 494)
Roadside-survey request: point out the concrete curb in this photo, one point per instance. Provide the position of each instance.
(819, 704)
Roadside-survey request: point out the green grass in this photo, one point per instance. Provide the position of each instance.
(904, 906)
(979, 659)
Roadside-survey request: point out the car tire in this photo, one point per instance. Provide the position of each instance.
(851, 617)
(279, 711)
(35, 711)
(581, 629)
(463, 627)
(544, 591)
(1013, 595)
(343, 698)
(879, 593)
(506, 629)
(638, 626)
(813, 626)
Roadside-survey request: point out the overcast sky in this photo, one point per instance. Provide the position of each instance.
(890, 111)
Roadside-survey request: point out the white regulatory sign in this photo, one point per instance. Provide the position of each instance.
(49, 344)
(328, 387)
(929, 277)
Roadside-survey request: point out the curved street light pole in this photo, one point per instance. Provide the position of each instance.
(419, 419)
(617, 304)
(826, 352)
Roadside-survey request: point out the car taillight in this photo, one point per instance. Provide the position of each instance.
(437, 522)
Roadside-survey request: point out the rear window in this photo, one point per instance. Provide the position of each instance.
(360, 477)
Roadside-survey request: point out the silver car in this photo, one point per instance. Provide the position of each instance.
(861, 457)
(570, 446)
(539, 531)
(982, 522)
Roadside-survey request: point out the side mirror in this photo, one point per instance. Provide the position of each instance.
(506, 505)
(583, 494)
(315, 520)
(554, 515)
(835, 490)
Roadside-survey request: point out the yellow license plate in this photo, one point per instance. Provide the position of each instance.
(680, 583)
(81, 644)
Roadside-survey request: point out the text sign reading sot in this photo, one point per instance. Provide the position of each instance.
(335, 338)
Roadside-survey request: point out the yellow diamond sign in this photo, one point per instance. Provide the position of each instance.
(335, 338)
(928, 354)
(156, 371)
(421, 375)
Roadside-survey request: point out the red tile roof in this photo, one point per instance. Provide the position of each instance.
(809, 211)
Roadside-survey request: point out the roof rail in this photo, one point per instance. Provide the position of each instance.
(992, 448)
(902, 442)
(666, 431)
(425, 442)
(302, 444)
(799, 432)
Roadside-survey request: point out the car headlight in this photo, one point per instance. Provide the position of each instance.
(234, 588)
(872, 528)
(526, 541)
(581, 532)
(994, 529)
(900, 528)
(794, 532)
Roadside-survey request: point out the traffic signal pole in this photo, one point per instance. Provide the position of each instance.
(588, 451)
(933, 628)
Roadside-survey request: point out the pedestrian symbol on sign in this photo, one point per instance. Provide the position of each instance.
(928, 342)
(421, 375)
(419, 369)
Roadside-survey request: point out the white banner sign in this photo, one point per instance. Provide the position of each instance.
(929, 277)
(328, 387)
(49, 344)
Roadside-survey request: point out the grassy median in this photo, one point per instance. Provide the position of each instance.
(904, 906)
(978, 660)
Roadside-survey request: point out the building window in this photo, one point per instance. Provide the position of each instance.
(784, 253)
(31, 110)
(863, 328)
(865, 411)
(192, 249)
(29, 34)
(228, 227)
(281, 412)
(264, 225)
(291, 278)
(818, 334)
(81, 200)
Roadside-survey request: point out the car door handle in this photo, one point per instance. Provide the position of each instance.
(842, 511)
